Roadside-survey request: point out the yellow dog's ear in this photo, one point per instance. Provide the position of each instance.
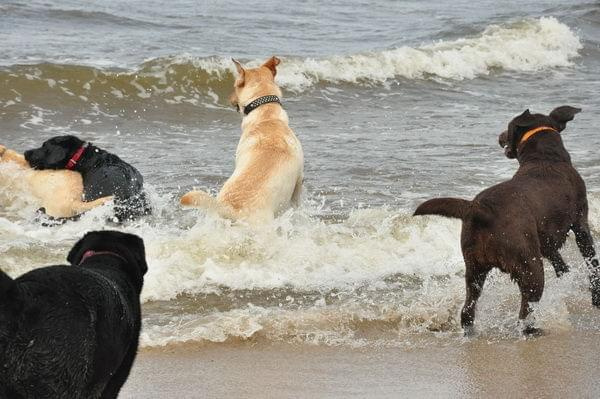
(272, 63)
(241, 73)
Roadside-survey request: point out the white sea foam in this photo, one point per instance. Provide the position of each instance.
(374, 278)
(525, 46)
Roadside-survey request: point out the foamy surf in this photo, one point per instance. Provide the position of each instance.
(520, 47)
(374, 277)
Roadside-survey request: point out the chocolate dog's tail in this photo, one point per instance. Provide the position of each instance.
(449, 207)
(455, 208)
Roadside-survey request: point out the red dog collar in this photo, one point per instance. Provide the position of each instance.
(77, 156)
(89, 253)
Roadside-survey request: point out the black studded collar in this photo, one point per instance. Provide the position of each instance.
(260, 101)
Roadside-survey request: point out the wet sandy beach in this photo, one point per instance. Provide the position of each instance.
(551, 366)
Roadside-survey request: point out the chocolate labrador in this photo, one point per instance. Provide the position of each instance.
(72, 331)
(512, 225)
(104, 174)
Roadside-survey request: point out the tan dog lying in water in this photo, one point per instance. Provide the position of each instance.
(60, 192)
(269, 161)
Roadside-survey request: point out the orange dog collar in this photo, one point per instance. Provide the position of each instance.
(528, 134)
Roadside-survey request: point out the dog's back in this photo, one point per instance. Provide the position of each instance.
(72, 331)
(535, 209)
(55, 316)
(119, 178)
(268, 169)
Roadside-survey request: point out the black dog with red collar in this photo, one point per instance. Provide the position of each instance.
(104, 174)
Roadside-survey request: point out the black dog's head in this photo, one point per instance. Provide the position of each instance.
(54, 153)
(558, 118)
(128, 246)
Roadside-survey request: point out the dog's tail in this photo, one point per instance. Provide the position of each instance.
(455, 208)
(200, 199)
(448, 207)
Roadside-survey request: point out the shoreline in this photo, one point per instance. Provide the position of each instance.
(555, 365)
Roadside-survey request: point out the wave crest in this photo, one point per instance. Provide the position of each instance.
(525, 46)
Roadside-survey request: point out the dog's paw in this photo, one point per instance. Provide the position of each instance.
(596, 298)
(595, 289)
(469, 331)
(531, 332)
(104, 200)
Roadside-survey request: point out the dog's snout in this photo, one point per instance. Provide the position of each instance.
(32, 157)
(503, 139)
(28, 155)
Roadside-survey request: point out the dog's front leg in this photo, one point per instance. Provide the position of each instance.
(585, 242)
(82, 206)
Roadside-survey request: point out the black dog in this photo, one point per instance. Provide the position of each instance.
(104, 174)
(72, 331)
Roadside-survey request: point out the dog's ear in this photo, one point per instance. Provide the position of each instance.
(562, 115)
(504, 142)
(516, 128)
(272, 63)
(137, 249)
(525, 119)
(77, 251)
(239, 82)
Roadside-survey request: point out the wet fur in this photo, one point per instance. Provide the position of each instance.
(269, 161)
(103, 173)
(72, 331)
(59, 192)
(512, 225)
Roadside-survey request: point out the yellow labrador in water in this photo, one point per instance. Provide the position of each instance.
(59, 192)
(269, 161)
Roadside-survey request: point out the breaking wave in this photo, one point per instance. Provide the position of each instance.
(525, 46)
(373, 278)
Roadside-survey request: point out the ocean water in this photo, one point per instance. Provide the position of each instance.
(394, 103)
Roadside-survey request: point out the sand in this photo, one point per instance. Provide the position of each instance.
(551, 366)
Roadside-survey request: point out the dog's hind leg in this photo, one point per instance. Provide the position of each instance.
(475, 279)
(531, 284)
(111, 391)
(296, 195)
(560, 267)
(585, 242)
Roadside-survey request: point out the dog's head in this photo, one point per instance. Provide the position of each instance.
(54, 153)
(5, 154)
(558, 118)
(130, 247)
(252, 83)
